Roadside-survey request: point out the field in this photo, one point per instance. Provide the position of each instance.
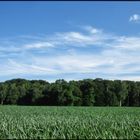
(26, 122)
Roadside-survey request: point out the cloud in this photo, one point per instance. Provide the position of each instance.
(92, 29)
(127, 43)
(38, 45)
(16, 67)
(135, 18)
(89, 54)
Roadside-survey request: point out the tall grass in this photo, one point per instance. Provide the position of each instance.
(22, 122)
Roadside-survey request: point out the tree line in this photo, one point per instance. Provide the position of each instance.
(87, 92)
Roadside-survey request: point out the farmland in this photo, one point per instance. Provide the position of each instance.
(41, 122)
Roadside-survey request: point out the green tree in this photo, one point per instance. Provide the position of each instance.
(88, 91)
(3, 92)
(12, 94)
(100, 97)
(121, 90)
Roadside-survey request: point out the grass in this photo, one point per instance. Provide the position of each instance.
(26, 122)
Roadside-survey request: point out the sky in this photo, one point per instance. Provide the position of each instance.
(69, 40)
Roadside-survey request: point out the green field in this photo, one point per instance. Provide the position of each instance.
(26, 122)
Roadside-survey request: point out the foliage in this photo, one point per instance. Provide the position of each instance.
(22, 122)
(87, 92)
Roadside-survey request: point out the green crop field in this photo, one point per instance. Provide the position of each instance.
(26, 122)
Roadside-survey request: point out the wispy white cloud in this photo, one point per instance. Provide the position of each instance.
(38, 45)
(71, 53)
(92, 29)
(16, 67)
(127, 43)
(135, 18)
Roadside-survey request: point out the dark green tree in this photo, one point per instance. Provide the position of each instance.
(3, 92)
(121, 90)
(88, 90)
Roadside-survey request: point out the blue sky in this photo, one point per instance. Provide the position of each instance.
(70, 40)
